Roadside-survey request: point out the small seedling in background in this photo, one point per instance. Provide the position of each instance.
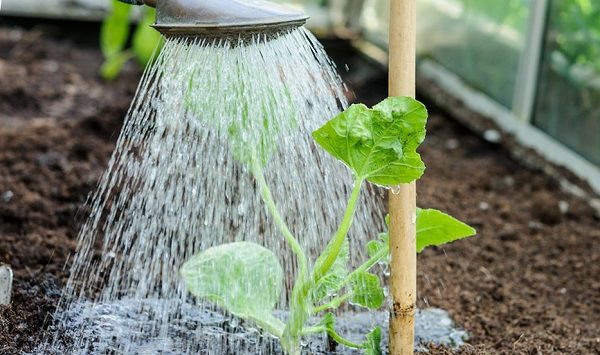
(115, 34)
(379, 146)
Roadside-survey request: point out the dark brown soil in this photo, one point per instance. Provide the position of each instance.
(58, 124)
(528, 284)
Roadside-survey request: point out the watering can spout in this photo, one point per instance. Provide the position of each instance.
(221, 18)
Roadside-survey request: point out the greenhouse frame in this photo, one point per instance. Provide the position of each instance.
(531, 66)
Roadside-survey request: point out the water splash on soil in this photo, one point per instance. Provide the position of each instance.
(202, 330)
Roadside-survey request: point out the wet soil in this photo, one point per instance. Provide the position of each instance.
(527, 284)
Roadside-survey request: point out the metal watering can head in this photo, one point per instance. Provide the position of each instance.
(222, 18)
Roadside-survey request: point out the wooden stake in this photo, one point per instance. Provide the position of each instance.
(402, 203)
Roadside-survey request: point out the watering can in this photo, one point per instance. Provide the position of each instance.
(221, 18)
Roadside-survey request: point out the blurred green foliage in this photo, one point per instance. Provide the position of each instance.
(569, 87)
(115, 36)
(575, 26)
(511, 13)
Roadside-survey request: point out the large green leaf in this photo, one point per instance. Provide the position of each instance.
(437, 228)
(146, 38)
(367, 290)
(258, 128)
(115, 29)
(331, 282)
(378, 144)
(244, 278)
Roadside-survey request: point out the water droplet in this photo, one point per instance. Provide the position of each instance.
(241, 209)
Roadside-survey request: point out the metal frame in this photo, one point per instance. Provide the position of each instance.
(517, 119)
(525, 133)
(530, 62)
(352, 13)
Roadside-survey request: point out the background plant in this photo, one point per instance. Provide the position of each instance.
(115, 35)
(576, 31)
(379, 146)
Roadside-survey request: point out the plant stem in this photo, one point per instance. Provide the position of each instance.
(333, 334)
(313, 330)
(299, 310)
(333, 304)
(340, 235)
(279, 222)
(336, 302)
(368, 264)
(341, 340)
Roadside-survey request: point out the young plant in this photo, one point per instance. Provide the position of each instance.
(379, 146)
(114, 36)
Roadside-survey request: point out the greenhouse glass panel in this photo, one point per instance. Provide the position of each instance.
(375, 22)
(324, 14)
(569, 92)
(480, 41)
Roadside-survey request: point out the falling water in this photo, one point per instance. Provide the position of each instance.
(177, 184)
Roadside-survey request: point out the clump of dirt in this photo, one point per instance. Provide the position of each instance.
(527, 284)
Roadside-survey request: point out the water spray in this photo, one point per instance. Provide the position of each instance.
(222, 18)
(236, 19)
(230, 21)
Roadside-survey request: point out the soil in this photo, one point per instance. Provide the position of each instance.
(528, 284)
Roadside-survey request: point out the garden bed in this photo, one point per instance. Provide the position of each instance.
(527, 284)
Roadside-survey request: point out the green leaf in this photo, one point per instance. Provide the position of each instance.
(115, 29)
(437, 228)
(366, 290)
(375, 246)
(332, 281)
(372, 345)
(257, 131)
(378, 144)
(244, 278)
(146, 38)
(113, 65)
(328, 321)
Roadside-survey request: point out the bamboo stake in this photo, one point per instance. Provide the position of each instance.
(402, 203)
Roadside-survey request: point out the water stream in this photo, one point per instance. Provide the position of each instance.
(177, 184)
